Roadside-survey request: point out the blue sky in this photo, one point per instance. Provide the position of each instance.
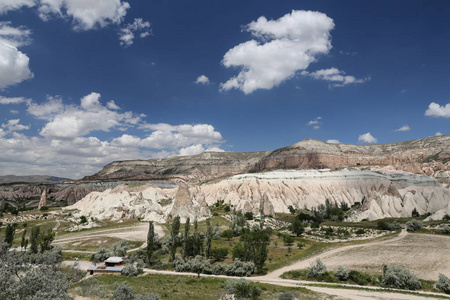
(84, 83)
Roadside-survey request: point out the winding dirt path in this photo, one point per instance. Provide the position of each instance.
(303, 264)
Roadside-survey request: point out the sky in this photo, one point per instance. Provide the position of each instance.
(84, 83)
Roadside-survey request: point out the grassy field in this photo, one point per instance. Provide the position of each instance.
(176, 287)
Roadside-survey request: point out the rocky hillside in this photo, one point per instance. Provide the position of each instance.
(31, 178)
(430, 156)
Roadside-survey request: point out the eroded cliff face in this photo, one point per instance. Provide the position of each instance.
(147, 202)
(382, 193)
(430, 156)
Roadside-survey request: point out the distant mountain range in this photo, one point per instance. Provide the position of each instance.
(31, 179)
(430, 156)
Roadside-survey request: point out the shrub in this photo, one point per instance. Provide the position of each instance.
(129, 270)
(219, 253)
(394, 226)
(382, 225)
(300, 245)
(360, 231)
(228, 234)
(445, 229)
(413, 225)
(120, 248)
(102, 254)
(83, 220)
(446, 217)
(443, 284)
(359, 278)
(241, 288)
(341, 273)
(415, 213)
(44, 208)
(248, 215)
(123, 292)
(400, 278)
(288, 296)
(316, 269)
(288, 240)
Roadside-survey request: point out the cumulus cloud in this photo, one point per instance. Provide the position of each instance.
(13, 100)
(403, 128)
(202, 79)
(435, 110)
(315, 123)
(280, 49)
(14, 125)
(367, 138)
(127, 34)
(334, 75)
(14, 36)
(14, 66)
(67, 145)
(85, 14)
(70, 121)
(437, 134)
(8, 5)
(333, 141)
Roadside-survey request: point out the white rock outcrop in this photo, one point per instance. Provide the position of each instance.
(383, 193)
(148, 202)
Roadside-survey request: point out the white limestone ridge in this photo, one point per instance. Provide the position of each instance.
(147, 202)
(383, 193)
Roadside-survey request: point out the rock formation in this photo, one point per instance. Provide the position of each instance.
(43, 201)
(430, 156)
(147, 202)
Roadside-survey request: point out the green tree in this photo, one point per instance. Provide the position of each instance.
(150, 241)
(9, 234)
(297, 227)
(34, 239)
(255, 247)
(208, 238)
(174, 236)
(45, 239)
(186, 237)
(24, 241)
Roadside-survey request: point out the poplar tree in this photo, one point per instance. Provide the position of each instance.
(186, 237)
(208, 237)
(34, 239)
(150, 241)
(174, 236)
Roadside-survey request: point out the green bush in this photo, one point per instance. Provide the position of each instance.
(288, 296)
(241, 288)
(219, 253)
(288, 240)
(445, 229)
(414, 225)
(129, 270)
(316, 269)
(123, 292)
(248, 215)
(102, 254)
(341, 273)
(400, 278)
(44, 208)
(359, 278)
(83, 220)
(443, 284)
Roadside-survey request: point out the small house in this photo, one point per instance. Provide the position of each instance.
(113, 264)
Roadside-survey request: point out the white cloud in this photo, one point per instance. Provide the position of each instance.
(69, 121)
(333, 141)
(315, 123)
(14, 66)
(86, 14)
(367, 138)
(13, 111)
(8, 5)
(13, 100)
(191, 150)
(214, 149)
(67, 145)
(14, 125)
(437, 134)
(403, 128)
(282, 48)
(202, 79)
(435, 110)
(127, 34)
(14, 36)
(334, 75)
